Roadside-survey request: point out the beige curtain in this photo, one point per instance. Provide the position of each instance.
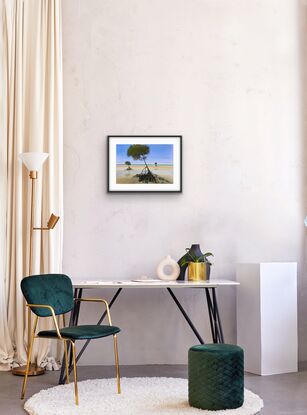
(30, 120)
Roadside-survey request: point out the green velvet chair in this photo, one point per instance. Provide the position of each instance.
(50, 295)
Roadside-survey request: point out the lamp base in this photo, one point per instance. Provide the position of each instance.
(34, 370)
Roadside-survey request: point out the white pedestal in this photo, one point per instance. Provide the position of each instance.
(267, 316)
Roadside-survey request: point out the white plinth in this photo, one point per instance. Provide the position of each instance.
(267, 316)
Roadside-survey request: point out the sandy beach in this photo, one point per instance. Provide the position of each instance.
(124, 176)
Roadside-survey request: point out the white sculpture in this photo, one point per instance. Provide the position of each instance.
(163, 268)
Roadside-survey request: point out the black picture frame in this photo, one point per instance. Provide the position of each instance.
(165, 139)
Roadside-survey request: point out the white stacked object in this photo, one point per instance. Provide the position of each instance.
(267, 317)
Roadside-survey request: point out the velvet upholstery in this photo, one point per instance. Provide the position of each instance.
(216, 376)
(56, 291)
(81, 332)
(48, 289)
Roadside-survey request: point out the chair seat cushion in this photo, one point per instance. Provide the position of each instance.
(81, 332)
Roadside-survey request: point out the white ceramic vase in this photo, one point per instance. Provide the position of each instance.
(166, 263)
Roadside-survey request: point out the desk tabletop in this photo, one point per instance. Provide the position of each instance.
(153, 284)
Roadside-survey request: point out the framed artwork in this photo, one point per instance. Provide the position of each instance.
(149, 163)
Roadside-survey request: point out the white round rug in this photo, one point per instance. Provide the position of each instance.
(140, 396)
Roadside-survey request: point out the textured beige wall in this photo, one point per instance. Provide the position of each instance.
(225, 75)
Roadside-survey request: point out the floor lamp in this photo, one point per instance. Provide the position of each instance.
(33, 162)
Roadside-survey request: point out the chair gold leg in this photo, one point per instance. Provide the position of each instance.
(30, 346)
(75, 371)
(116, 363)
(66, 361)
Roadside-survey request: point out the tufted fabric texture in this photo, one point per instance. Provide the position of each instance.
(81, 332)
(216, 376)
(48, 289)
(140, 396)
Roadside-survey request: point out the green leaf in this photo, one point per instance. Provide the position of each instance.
(137, 151)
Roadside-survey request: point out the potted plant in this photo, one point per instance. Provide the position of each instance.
(197, 263)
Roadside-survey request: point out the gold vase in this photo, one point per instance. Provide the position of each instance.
(197, 271)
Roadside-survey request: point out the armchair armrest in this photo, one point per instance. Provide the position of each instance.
(98, 300)
(52, 315)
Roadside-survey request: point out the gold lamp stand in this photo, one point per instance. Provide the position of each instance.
(33, 162)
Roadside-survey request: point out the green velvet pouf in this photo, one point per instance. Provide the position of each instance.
(216, 376)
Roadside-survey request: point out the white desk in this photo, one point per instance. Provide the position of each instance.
(150, 284)
(209, 288)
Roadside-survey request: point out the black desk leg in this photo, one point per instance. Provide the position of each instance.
(214, 316)
(99, 322)
(74, 319)
(221, 335)
(209, 304)
(189, 321)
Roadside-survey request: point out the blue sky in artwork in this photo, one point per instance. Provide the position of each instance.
(159, 153)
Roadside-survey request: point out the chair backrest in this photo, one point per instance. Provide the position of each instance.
(48, 289)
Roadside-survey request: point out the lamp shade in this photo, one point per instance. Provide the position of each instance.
(34, 160)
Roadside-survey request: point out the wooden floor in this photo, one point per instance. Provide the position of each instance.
(282, 394)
